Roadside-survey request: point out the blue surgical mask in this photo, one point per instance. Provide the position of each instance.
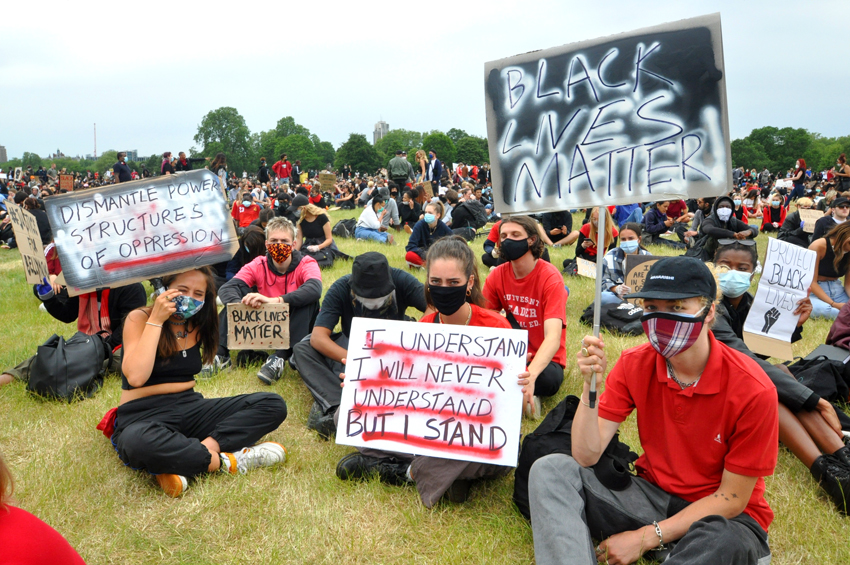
(776, 204)
(246, 203)
(737, 202)
(186, 306)
(429, 218)
(734, 283)
(630, 246)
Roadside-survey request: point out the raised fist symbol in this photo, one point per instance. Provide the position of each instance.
(770, 318)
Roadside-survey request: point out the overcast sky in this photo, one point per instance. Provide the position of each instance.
(147, 75)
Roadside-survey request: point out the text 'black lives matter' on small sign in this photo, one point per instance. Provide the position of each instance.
(266, 327)
(132, 231)
(29, 242)
(635, 117)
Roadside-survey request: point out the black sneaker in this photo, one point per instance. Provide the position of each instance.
(322, 423)
(270, 372)
(834, 478)
(356, 466)
(458, 492)
(843, 455)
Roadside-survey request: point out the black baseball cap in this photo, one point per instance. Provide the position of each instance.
(840, 201)
(674, 278)
(399, 152)
(371, 276)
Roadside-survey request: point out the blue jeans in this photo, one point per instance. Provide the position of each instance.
(369, 233)
(608, 297)
(836, 292)
(636, 216)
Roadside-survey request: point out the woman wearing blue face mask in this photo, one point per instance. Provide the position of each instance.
(161, 424)
(774, 214)
(613, 270)
(740, 210)
(808, 425)
(425, 232)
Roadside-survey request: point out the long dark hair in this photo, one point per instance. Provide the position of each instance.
(635, 227)
(455, 247)
(219, 162)
(206, 321)
(839, 235)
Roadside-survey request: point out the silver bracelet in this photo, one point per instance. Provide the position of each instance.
(660, 537)
(154, 325)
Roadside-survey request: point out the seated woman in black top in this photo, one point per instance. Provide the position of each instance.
(162, 425)
(345, 199)
(314, 237)
(409, 210)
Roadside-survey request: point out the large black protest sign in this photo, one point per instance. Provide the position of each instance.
(634, 117)
(137, 230)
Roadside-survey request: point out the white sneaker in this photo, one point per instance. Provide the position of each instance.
(261, 455)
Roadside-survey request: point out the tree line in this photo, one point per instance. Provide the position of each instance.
(778, 149)
(225, 131)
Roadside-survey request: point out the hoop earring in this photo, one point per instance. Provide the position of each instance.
(469, 292)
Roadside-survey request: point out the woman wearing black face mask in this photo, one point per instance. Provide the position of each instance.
(452, 290)
(532, 293)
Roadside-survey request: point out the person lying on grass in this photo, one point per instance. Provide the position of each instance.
(161, 424)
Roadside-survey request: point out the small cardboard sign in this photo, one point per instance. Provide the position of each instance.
(635, 268)
(809, 217)
(586, 268)
(266, 327)
(429, 191)
(19, 174)
(786, 278)
(29, 243)
(328, 181)
(66, 182)
(427, 390)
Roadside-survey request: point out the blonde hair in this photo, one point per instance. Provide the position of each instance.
(804, 202)
(311, 209)
(420, 155)
(439, 205)
(609, 227)
(370, 184)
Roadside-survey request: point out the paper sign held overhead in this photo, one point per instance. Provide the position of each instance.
(786, 277)
(635, 117)
(28, 239)
(138, 230)
(428, 390)
(266, 327)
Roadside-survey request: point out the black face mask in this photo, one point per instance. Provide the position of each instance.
(447, 299)
(513, 249)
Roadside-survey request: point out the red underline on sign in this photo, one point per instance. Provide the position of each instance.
(385, 348)
(437, 445)
(160, 258)
(483, 419)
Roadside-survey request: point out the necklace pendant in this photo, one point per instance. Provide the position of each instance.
(184, 353)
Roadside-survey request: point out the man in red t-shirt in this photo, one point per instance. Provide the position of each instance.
(533, 296)
(245, 210)
(283, 168)
(707, 418)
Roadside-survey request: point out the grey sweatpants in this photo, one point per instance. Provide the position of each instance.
(569, 506)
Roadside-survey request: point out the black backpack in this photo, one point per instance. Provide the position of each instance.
(622, 318)
(344, 228)
(478, 213)
(553, 435)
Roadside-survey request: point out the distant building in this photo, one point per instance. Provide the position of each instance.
(3, 156)
(382, 128)
(133, 155)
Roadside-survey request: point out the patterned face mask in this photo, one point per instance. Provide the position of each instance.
(669, 334)
(186, 306)
(280, 252)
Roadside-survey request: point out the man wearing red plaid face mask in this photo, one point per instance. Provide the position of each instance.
(708, 424)
(283, 274)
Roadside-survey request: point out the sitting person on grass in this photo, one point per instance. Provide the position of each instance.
(314, 237)
(586, 243)
(808, 424)
(372, 290)
(454, 291)
(425, 232)
(613, 269)
(707, 422)
(161, 424)
(95, 313)
(282, 275)
(370, 224)
(533, 296)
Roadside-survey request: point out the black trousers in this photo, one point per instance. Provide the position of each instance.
(549, 381)
(319, 373)
(163, 433)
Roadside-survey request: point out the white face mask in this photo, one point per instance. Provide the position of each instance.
(373, 303)
(724, 214)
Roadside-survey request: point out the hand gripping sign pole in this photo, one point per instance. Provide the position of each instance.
(597, 310)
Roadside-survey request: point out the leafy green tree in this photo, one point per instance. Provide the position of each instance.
(358, 153)
(749, 154)
(396, 139)
(265, 145)
(443, 145)
(287, 126)
(470, 151)
(105, 161)
(456, 135)
(31, 159)
(326, 153)
(298, 147)
(224, 130)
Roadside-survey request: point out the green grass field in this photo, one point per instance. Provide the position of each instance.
(68, 474)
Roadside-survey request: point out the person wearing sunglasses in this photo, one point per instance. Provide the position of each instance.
(839, 210)
(707, 422)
